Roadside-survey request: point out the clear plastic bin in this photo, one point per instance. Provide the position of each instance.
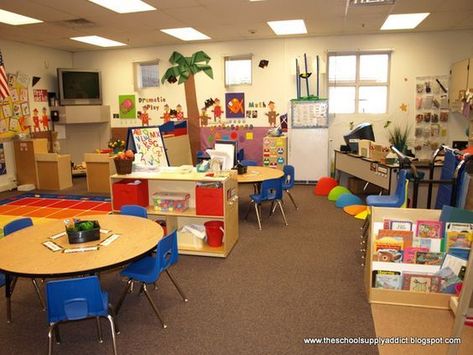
(171, 201)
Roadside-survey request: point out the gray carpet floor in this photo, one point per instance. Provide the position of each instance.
(277, 287)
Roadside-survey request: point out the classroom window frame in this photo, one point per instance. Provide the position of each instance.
(227, 59)
(357, 82)
(138, 74)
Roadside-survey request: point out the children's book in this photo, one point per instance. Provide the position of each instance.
(387, 279)
(429, 258)
(404, 236)
(417, 282)
(454, 263)
(429, 229)
(409, 255)
(388, 243)
(448, 280)
(397, 225)
(458, 235)
(388, 255)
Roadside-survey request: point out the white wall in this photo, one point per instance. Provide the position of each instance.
(416, 54)
(34, 61)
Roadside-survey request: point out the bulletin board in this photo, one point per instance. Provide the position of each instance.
(431, 127)
(309, 114)
(148, 145)
(15, 109)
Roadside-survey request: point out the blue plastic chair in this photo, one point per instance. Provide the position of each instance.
(148, 269)
(8, 229)
(398, 199)
(288, 181)
(76, 299)
(271, 190)
(248, 163)
(134, 210)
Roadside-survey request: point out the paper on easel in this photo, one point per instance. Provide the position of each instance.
(197, 230)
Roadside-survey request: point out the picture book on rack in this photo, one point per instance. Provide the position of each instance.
(417, 282)
(387, 279)
(404, 236)
(458, 235)
(429, 229)
(429, 258)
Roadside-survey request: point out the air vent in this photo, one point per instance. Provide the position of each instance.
(77, 23)
(371, 2)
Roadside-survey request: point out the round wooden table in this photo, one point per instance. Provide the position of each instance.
(258, 174)
(23, 254)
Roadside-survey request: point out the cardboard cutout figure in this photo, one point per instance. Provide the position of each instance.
(272, 114)
(217, 110)
(144, 116)
(204, 119)
(36, 127)
(166, 114)
(179, 113)
(45, 119)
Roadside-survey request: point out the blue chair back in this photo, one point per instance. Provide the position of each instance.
(241, 154)
(16, 225)
(166, 252)
(134, 210)
(289, 176)
(271, 190)
(248, 163)
(74, 299)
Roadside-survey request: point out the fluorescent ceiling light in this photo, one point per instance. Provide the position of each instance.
(15, 19)
(404, 21)
(124, 6)
(98, 41)
(186, 33)
(289, 27)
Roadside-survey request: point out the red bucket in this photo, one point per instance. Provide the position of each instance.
(214, 231)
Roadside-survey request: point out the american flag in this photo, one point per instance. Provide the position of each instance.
(4, 90)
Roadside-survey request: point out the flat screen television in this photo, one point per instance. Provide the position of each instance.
(79, 87)
(362, 131)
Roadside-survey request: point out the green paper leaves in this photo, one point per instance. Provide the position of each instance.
(184, 67)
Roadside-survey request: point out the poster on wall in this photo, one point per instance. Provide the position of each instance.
(127, 106)
(147, 142)
(235, 105)
(309, 114)
(431, 112)
(15, 108)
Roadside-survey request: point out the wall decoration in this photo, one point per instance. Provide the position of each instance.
(144, 116)
(40, 95)
(3, 164)
(166, 114)
(431, 114)
(263, 63)
(217, 110)
(235, 104)
(45, 119)
(309, 114)
(272, 114)
(204, 118)
(36, 127)
(179, 113)
(127, 105)
(149, 146)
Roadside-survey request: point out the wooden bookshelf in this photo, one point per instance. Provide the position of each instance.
(186, 182)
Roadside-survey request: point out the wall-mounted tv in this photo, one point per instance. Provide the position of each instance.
(79, 87)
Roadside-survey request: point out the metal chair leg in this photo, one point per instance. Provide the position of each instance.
(38, 292)
(177, 286)
(155, 309)
(99, 330)
(258, 215)
(57, 335)
(50, 339)
(122, 298)
(112, 327)
(272, 209)
(112, 313)
(292, 199)
(282, 211)
(140, 292)
(248, 210)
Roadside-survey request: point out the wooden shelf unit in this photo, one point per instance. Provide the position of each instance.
(400, 297)
(173, 182)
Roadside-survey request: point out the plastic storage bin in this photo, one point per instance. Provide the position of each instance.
(171, 201)
(130, 192)
(209, 200)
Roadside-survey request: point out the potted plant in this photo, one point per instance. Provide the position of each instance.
(398, 137)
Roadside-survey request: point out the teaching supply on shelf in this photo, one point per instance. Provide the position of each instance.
(171, 201)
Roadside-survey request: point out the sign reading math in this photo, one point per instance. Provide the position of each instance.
(149, 146)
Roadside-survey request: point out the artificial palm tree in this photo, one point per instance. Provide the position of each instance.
(183, 71)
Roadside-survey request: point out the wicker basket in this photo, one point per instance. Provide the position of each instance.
(123, 166)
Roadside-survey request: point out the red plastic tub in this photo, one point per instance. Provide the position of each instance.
(214, 231)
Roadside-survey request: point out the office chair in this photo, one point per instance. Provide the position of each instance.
(8, 229)
(271, 190)
(134, 210)
(148, 269)
(77, 299)
(288, 181)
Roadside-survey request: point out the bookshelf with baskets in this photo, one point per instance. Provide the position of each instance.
(186, 183)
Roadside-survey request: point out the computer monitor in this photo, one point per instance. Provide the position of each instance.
(362, 131)
(230, 147)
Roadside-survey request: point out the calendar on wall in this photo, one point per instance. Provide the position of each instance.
(431, 104)
(309, 114)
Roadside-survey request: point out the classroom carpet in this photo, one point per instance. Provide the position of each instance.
(44, 207)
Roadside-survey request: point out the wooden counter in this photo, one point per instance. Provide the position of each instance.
(99, 169)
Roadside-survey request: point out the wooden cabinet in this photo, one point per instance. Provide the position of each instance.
(175, 182)
(54, 171)
(461, 80)
(400, 297)
(25, 150)
(99, 169)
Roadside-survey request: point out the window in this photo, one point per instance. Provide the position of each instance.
(358, 82)
(146, 74)
(238, 70)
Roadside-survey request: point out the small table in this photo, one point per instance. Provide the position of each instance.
(258, 174)
(23, 254)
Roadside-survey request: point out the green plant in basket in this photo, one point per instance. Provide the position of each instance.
(398, 137)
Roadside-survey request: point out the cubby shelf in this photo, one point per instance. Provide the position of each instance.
(174, 182)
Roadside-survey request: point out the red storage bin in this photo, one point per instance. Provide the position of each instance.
(209, 201)
(127, 192)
